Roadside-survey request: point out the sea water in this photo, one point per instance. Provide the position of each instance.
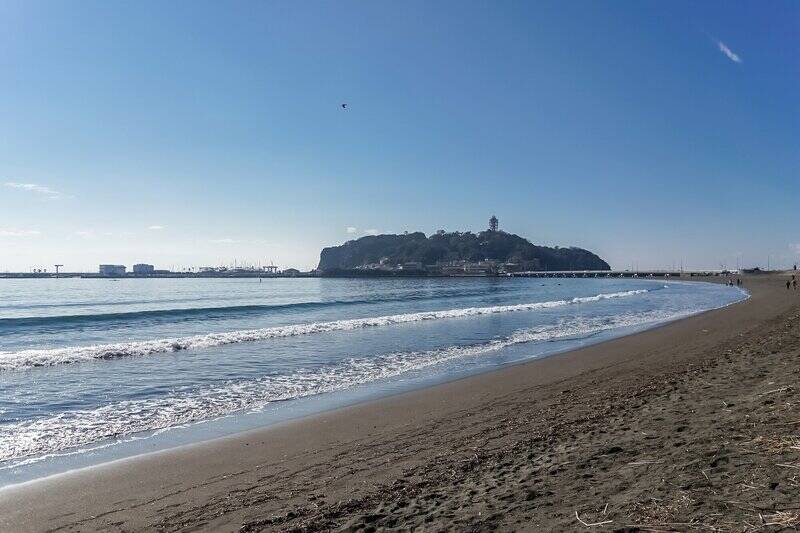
(93, 370)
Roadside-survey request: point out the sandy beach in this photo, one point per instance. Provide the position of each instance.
(690, 426)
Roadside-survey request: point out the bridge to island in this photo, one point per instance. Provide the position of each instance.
(598, 274)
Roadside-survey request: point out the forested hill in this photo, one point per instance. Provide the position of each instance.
(442, 247)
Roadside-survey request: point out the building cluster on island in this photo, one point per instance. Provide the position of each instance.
(459, 268)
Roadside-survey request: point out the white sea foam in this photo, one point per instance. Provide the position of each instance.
(54, 356)
(34, 438)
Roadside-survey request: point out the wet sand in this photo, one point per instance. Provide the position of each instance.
(693, 425)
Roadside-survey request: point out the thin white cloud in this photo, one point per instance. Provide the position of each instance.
(226, 240)
(351, 229)
(155, 227)
(728, 52)
(371, 231)
(19, 232)
(84, 234)
(34, 188)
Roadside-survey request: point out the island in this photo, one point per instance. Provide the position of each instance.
(487, 253)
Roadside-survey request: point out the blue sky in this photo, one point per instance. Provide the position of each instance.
(193, 133)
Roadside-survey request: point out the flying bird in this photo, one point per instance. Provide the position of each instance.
(344, 106)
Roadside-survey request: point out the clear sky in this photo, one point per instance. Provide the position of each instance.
(194, 133)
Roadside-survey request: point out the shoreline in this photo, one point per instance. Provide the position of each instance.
(33, 469)
(206, 471)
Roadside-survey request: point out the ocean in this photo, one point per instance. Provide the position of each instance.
(93, 370)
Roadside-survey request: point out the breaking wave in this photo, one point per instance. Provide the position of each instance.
(54, 356)
(73, 429)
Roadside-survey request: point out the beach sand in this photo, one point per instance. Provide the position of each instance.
(693, 425)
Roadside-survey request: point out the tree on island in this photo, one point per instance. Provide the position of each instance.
(493, 223)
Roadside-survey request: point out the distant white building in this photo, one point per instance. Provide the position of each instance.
(143, 269)
(112, 270)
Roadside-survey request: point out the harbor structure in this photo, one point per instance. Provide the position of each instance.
(143, 269)
(112, 270)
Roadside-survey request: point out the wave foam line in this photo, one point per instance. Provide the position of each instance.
(69, 430)
(55, 356)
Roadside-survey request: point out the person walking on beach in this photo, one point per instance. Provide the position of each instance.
(788, 284)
